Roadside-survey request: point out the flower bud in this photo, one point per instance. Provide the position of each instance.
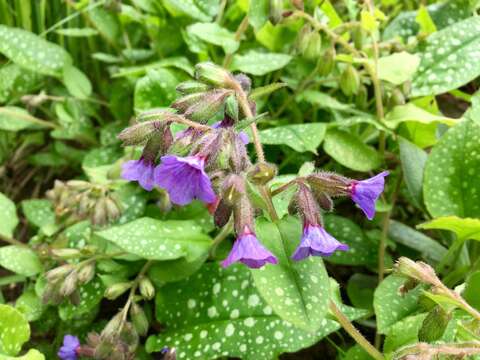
(361, 100)
(434, 325)
(86, 273)
(323, 200)
(66, 253)
(111, 330)
(244, 81)
(115, 290)
(146, 288)
(419, 271)
(349, 81)
(112, 209)
(231, 107)
(298, 4)
(58, 273)
(213, 74)
(139, 319)
(69, 284)
(211, 103)
(276, 11)
(138, 133)
(191, 87)
(358, 36)
(185, 102)
(233, 187)
(396, 98)
(262, 173)
(307, 206)
(222, 214)
(99, 213)
(327, 62)
(311, 44)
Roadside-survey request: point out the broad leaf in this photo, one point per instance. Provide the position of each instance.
(159, 240)
(413, 164)
(390, 307)
(39, 212)
(324, 101)
(33, 52)
(451, 173)
(213, 33)
(403, 333)
(447, 59)
(189, 8)
(77, 82)
(30, 305)
(9, 216)
(410, 112)
(298, 292)
(90, 295)
(32, 354)
(350, 151)
(16, 81)
(301, 137)
(466, 228)
(156, 89)
(14, 330)
(258, 12)
(472, 289)
(218, 313)
(398, 67)
(259, 63)
(14, 118)
(20, 260)
(107, 23)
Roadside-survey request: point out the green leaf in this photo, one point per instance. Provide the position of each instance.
(298, 292)
(13, 118)
(14, 330)
(403, 333)
(258, 13)
(17, 81)
(413, 161)
(262, 91)
(447, 59)
(350, 151)
(159, 240)
(398, 67)
(360, 289)
(213, 33)
(33, 52)
(30, 305)
(77, 82)
(410, 112)
(218, 313)
(390, 307)
(423, 18)
(20, 260)
(324, 101)
(39, 212)
(174, 270)
(466, 228)
(259, 63)
(107, 23)
(301, 137)
(178, 62)
(90, 293)
(77, 32)
(32, 354)
(9, 216)
(451, 173)
(472, 289)
(405, 235)
(156, 89)
(356, 352)
(189, 8)
(361, 250)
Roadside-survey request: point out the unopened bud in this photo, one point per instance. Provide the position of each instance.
(66, 253)
(262, 173)
(213, 74)
(99, 213)
(419, 271)
(58, 273)
(361, 100)
(244, 81)
(349, 81)
(222, 214)
(186, 101)
(323, 200)
(78, 184)
(358, 36)
(115, 290)
(434, 325)
(146, 288)
(191, 87)
(138, 133)
(233, 187)
(231, 107)
(327, 62)
(86, 273)
(311, 45)
(75, 297)
(69, 284)
(139, 319)
(112, 209)
(276, 11)
(111, 330)
(396, 98)
(211, 104)
(298, 4)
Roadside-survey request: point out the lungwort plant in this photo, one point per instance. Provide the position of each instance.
(243, 179)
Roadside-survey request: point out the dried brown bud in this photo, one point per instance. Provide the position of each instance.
(86, 273)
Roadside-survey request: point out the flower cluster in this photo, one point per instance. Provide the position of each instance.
(210, 163)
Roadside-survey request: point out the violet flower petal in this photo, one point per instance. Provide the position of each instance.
(68, 351)
(366, 192)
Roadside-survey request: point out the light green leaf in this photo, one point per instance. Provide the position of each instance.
(14, 330)
(30, 305)
(451, 185)
(360, 289)
(20, 260)
(405, 235)
(33, 52)
(178, 62)
(324, 101)
(413, 161)
(298, 292)
(38, 212)
(13, 118)
(464, 228)
(213, 33)
(77, 32)
(356, 352)
(410, 112)
(258, 12)
(398, 67)
(159, 240)
(389, 306)
(259, 63)
(9, 216)
(218, 313)
(472, 289)
(447, 59)
(156, 89)
(262, 91)
(32, 354)
(403, 333)
(107, 23)
(90, 293)
(189, 8)
(301, 137)
(361, 250)
(423, 18)
(77, 82)
(17, 81)
(350, 151)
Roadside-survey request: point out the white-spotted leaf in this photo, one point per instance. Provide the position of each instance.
(301, 137)
(213, 33)
(259, 63)
(9, 216)
(14, 330)
(20, 260)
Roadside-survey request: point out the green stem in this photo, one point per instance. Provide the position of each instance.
(12, 241)
(238, 35)
(224, 232)
(354, 333)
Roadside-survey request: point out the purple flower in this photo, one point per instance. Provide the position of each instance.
(366, 192)
(68, 351)
(317, 242)
(248, 250)
(185, 179)
(139, 170)
(242, 134)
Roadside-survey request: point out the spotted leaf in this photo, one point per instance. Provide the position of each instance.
(14, 330)
(90, 295)
(20, 260)
(258, 63)
(301, 137)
